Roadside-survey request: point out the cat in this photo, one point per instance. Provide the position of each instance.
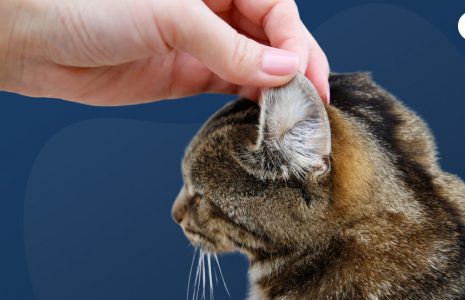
(345, 201)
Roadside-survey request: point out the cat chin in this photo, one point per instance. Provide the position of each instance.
(209, 245)
(224, 249)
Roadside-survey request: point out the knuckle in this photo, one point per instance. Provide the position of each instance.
(243, 52)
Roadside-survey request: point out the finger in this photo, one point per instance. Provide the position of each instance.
(238, 21)
(284, 29)
(136, 82)
(232, 56)
(262, 42)
(317, 70)
(219, 6)
(281, 23)
(251, 93)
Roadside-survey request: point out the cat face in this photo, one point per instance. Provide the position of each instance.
(253, 176)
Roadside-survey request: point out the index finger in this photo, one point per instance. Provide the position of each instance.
(281, 22)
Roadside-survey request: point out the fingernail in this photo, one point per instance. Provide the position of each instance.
(279, 62)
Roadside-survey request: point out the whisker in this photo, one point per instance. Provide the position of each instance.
(210, 275)
(203, 277)
(221, 274)
(200, 274)
(190, 273)
(197, 277)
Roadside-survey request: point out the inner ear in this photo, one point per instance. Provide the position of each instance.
(294, 137)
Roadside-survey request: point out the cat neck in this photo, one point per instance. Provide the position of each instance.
(293, 274)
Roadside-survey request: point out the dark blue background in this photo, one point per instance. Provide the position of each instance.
(85, 192)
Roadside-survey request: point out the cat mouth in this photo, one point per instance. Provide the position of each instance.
(208, 244)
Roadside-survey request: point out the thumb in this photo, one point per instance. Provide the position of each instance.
(232, 56)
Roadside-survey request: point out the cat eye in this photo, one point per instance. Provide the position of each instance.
(195, 200)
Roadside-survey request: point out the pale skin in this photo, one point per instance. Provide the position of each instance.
(120, 52)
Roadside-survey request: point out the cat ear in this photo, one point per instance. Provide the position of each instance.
(294, 137)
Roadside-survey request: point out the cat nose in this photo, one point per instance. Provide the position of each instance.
(179, 210)
(178, 216)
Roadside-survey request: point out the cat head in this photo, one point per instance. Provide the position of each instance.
(253, 176)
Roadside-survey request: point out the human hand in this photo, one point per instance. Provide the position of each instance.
(121, 52)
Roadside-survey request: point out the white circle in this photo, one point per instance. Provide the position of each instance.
(462, 26)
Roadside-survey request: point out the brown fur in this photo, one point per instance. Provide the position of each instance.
(383, 222)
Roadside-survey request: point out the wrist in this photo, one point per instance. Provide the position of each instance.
(19, 33)
(8, 13)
